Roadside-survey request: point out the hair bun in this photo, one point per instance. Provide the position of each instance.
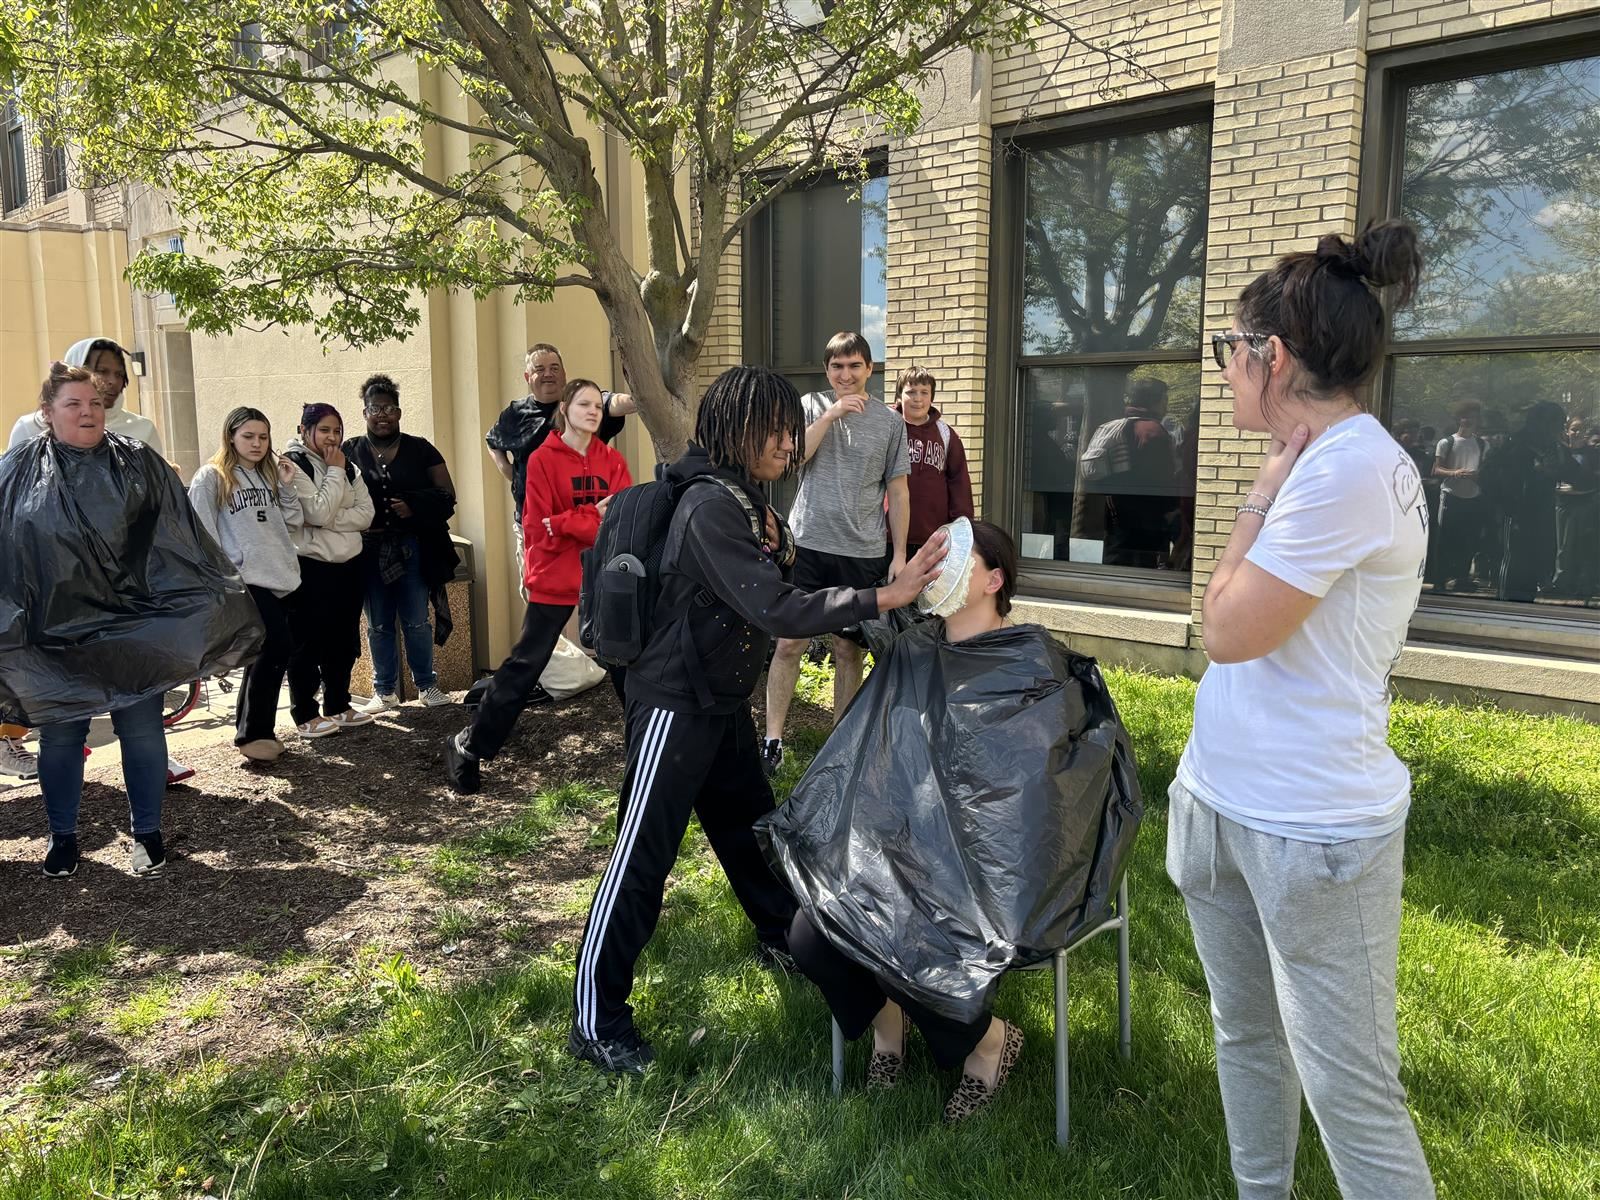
(1390, 257)
(1342, 256)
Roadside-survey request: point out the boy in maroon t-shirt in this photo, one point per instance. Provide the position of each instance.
(941, 488)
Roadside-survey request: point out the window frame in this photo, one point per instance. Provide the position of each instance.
(756, 255)
(1566, 632)
(15, 193)
(1002, 461)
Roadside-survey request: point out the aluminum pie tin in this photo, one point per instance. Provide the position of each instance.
(946, 592)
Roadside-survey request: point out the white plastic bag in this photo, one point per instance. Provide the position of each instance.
(570, 672)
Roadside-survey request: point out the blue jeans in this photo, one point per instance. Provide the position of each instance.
(144, 766)
(405, 601)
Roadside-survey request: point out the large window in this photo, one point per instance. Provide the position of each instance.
(1493, 381)
(1106, 335)
(815, 264)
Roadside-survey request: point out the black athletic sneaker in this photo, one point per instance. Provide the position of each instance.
(461, 767)
(629, 1054)
(772, 756)
(61, 856)
(148, 855)
(776, 958)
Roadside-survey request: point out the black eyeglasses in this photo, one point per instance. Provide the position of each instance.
(1222, 344)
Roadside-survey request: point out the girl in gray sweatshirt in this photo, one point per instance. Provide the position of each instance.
(245, 498)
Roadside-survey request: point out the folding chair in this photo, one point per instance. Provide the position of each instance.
(1058, 961)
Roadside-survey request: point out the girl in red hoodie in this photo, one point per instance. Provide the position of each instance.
(571, 479)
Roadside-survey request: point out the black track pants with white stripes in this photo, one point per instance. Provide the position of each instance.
(677, 762)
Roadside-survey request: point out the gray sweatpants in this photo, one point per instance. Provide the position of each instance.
(1300, 943)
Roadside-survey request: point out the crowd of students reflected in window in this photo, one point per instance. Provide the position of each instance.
(1514, 501)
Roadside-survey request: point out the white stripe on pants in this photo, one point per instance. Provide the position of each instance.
(1300, 944)
(655, 738)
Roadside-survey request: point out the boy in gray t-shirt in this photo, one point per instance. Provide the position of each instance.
(856, 456)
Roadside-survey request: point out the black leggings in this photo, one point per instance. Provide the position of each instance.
(257, 713)
(325, 626)
(514, 680)
(855, 995)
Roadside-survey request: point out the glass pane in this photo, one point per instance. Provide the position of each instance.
(874, 266)
(816, 279)
(1523, 522)
(1502, 177)
(1108, 465)
(1115, 242)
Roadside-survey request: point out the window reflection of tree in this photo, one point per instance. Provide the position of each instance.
(1114, 258)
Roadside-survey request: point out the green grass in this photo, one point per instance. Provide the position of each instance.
(467, 1092)
(144, 1010)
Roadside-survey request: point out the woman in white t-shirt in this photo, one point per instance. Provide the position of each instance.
(1288, 814)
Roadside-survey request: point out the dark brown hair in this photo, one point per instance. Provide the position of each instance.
(574, 386)
(844, 344)
(1323, 304)
(995, 547)
(60, 375)
(912, 376)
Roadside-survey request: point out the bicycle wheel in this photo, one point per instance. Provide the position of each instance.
(179, 702)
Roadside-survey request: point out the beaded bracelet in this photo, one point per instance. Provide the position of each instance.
(1253, 508)
(1263, 495)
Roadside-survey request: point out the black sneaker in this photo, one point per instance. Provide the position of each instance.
(61, 856)
(539, 696)
(459, 766)
(629, 1054)
(776, 958)
(772, 756)
(148, 855)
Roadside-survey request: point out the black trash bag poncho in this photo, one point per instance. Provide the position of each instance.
(110, 589)
(973, 811)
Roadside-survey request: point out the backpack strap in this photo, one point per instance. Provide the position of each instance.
(944, 436)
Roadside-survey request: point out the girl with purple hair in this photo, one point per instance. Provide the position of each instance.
(325, 614)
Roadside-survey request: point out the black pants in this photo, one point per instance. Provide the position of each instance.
(325, 635)
(263, 679)
(514, 680)
(854, 995)
(677, 762)
(1462, 534)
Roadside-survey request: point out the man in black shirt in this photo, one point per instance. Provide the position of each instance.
(524, 424)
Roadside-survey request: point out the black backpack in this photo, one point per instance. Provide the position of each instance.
(622, 570)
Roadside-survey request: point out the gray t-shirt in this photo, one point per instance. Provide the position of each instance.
(840, 506)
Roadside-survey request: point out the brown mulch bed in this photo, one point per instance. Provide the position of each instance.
(317, 859)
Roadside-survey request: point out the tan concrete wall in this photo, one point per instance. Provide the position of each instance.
(58, 285)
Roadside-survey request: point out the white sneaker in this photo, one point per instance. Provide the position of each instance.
(381, 703)
(350, 718)
(17, 760)
(317, 727)
(434, 698)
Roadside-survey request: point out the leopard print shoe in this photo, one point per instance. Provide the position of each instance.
(971, 1093)
(884, 1069)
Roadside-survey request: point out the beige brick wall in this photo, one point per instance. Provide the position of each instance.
(1286, 146)
(1395, 23)
(938, 276)
(1106, 53)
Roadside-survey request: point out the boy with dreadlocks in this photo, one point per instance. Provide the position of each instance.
(723, 597)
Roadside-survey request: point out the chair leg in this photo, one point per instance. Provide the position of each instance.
(1062, 1114)
(838, 1059)
(1124, 977)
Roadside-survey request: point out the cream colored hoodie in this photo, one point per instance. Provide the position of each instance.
(334, 509)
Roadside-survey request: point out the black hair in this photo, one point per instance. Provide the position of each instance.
(1147, 393)
(995, 547)
(741, 410)
(380, 385)
(1323, 304)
